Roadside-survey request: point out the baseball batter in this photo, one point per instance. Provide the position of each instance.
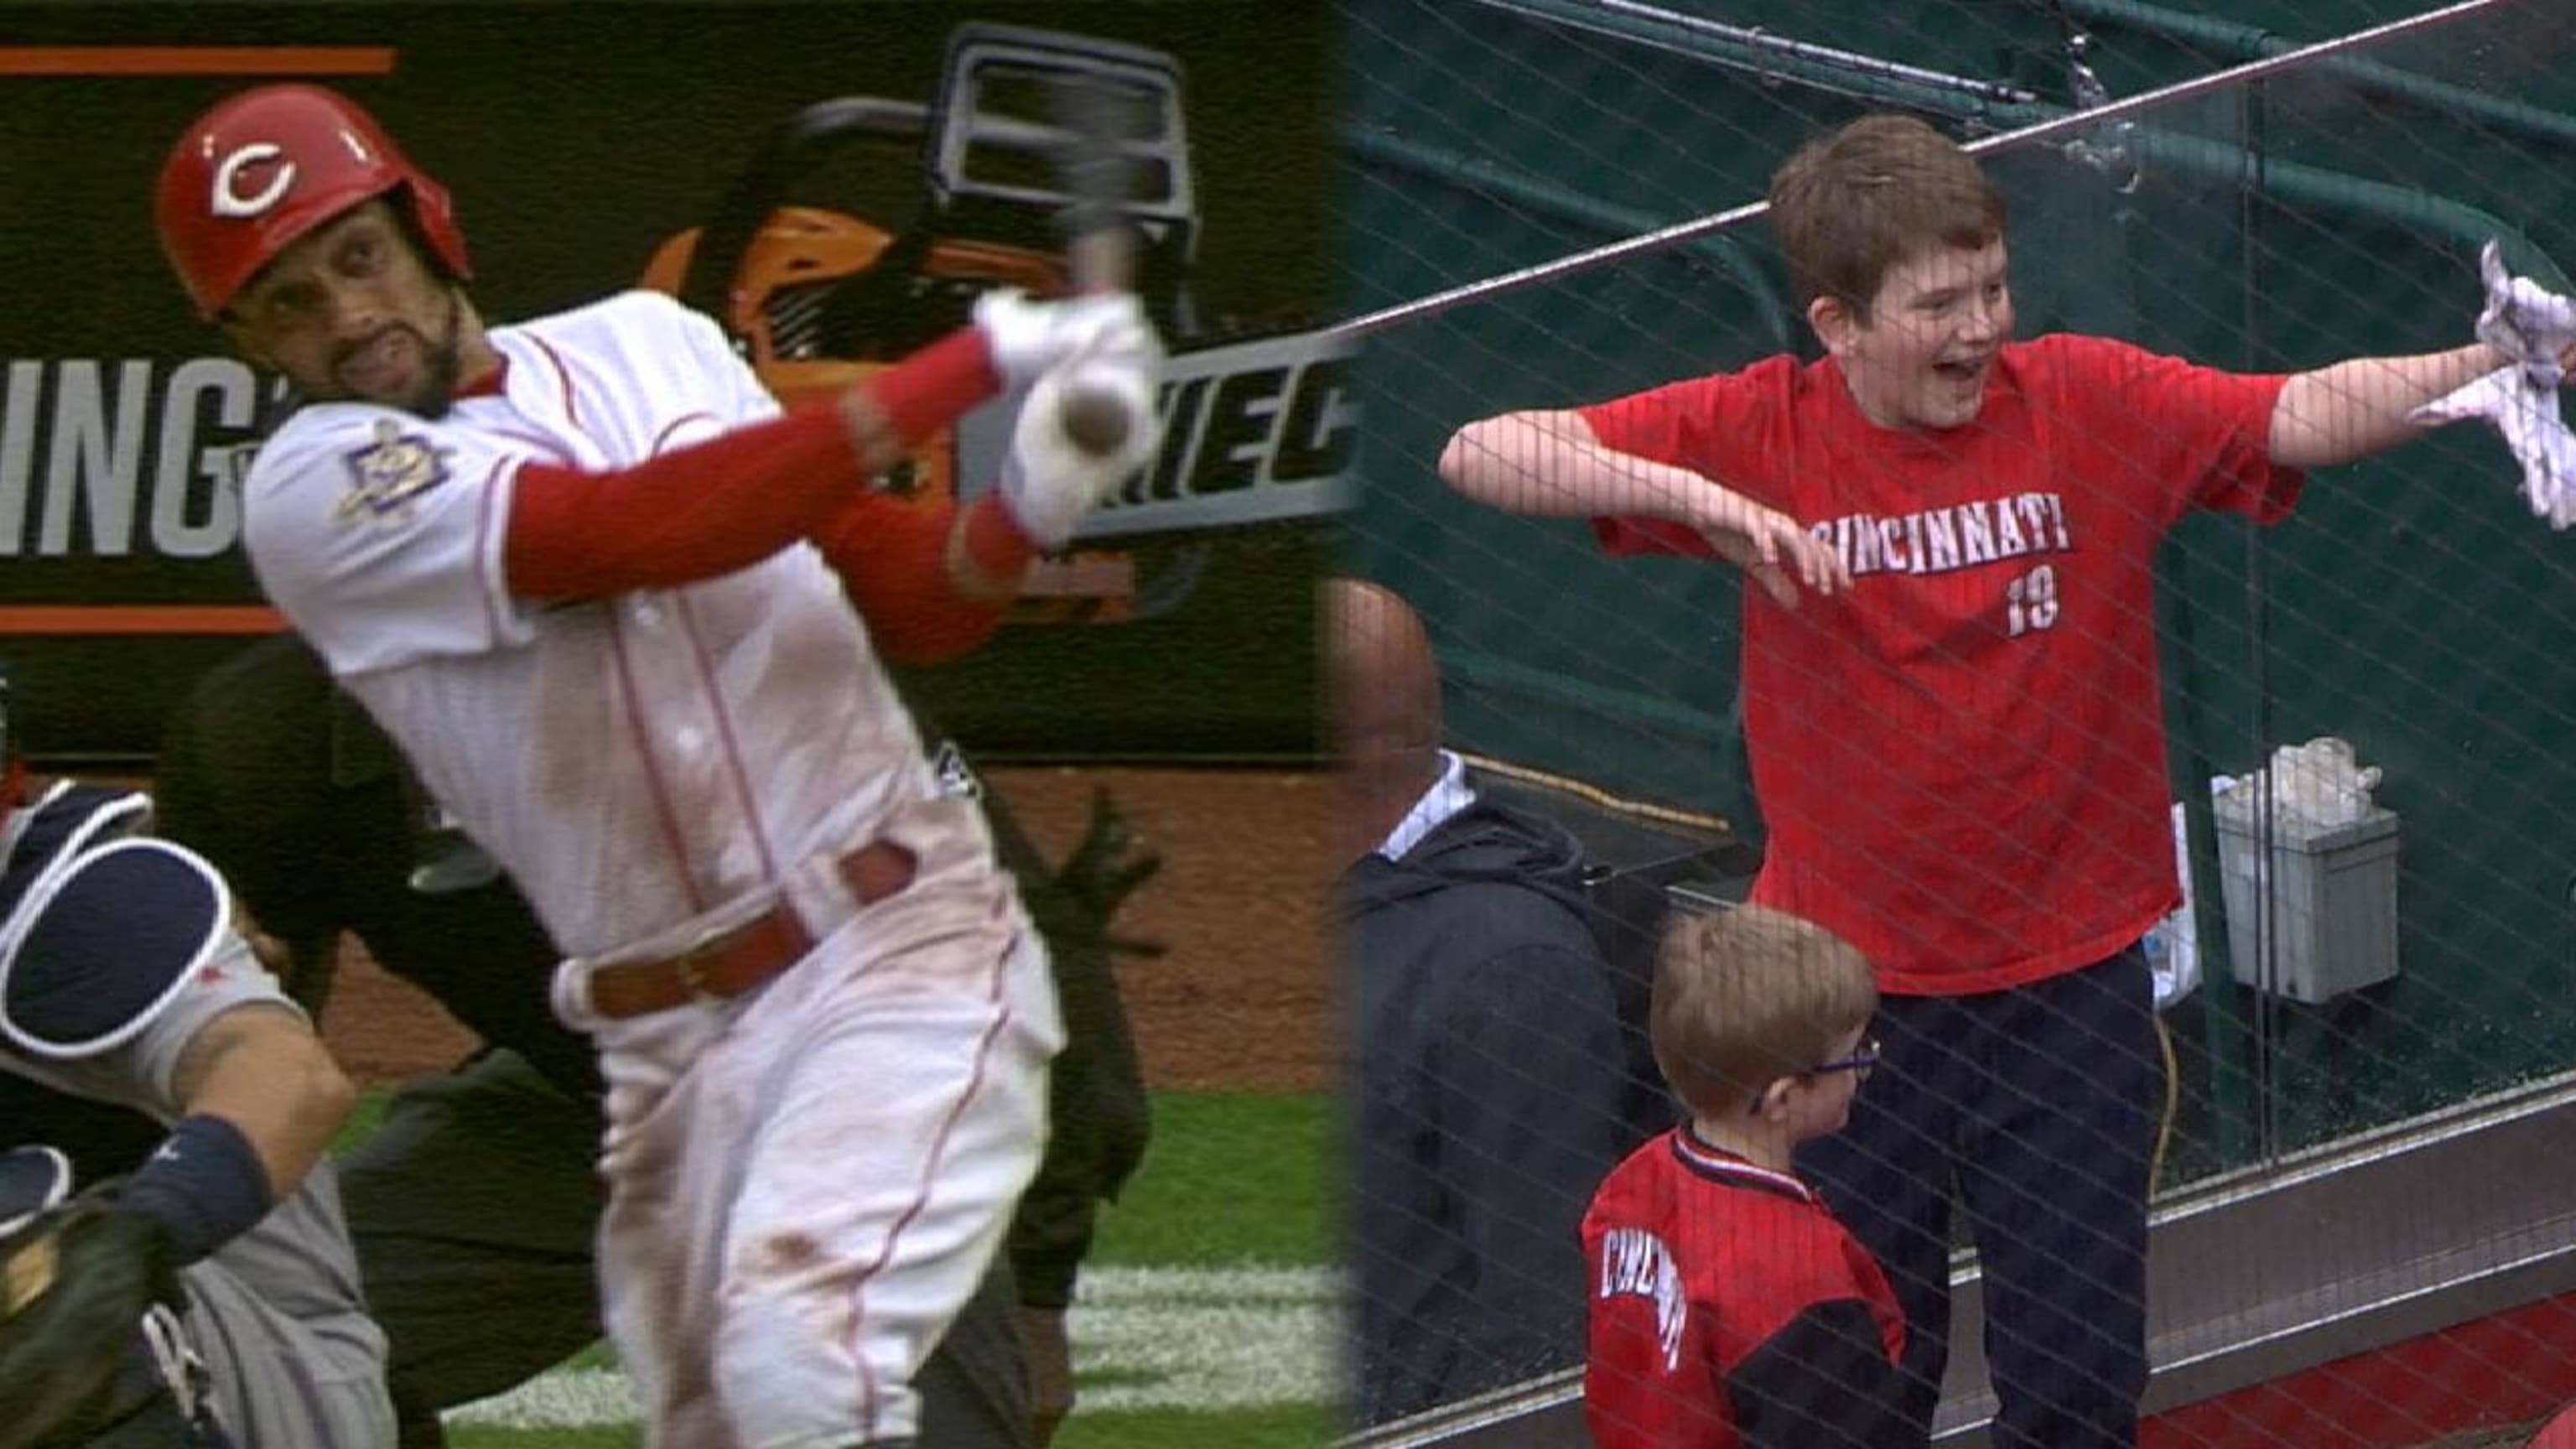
(592, 582)
(474, 1204)
(123, 983)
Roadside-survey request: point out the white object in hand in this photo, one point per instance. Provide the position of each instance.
(2527, 416)
(2524, 320)
(2533, 326)
(1051, 478)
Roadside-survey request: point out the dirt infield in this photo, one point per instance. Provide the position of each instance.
(1239, 1000)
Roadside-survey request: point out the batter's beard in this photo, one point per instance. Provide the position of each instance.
(442, 364)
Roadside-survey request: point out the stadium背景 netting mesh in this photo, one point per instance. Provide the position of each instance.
(2337, 983)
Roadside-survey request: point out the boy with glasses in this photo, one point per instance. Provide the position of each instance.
(1729, 1308)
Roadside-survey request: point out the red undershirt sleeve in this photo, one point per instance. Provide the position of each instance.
(729, 503)
(930, 583)
(688, 515)
(895, 560)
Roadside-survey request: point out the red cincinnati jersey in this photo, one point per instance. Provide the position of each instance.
(1961, 762)
(1730, 1311)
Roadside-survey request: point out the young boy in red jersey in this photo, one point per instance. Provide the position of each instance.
(1953, 717)
(1729, 1309)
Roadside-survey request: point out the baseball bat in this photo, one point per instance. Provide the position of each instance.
(1100, 250)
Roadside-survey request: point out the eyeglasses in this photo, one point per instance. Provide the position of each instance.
(1860, 1064)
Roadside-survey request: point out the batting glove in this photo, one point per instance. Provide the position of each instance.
(1049, 481)
(1028, 338)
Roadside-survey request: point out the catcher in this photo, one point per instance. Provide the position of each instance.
(208, 1297)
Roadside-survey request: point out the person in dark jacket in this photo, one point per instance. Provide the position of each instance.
(1488, 1080)
(474, 1203)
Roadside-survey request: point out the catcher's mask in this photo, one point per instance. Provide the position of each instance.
(271, 164)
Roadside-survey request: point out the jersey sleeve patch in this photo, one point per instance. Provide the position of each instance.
(389, 472)
(109, 947)
(377, 534)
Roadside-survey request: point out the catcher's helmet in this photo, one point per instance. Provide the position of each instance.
(270, 164)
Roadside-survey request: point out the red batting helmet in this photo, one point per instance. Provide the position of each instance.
(267, 166)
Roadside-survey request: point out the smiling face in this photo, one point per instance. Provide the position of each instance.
(352, 312)
(1894, 240)
(1921, 354)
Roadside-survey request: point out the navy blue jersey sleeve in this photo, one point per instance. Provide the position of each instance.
(1824, 1381)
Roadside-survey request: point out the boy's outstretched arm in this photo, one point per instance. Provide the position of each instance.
(2349, 410)
(1552, 463)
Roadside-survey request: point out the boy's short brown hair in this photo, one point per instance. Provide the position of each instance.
(1746, 996)
(1850, 205)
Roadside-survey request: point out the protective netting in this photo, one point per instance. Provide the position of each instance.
(2371, 959)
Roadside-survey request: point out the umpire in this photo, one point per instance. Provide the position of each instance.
(473, 1206)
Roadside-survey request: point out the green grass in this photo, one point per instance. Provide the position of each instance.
(1294, 1426)
(475, 1436)
(1231, 1179)
(362, 1121)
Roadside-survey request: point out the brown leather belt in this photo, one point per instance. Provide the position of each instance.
(745, 956)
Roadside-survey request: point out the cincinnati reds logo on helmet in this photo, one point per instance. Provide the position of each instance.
(228, 200)
(265, 167)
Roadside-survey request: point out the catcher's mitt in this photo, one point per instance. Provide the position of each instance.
(76, 1281)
